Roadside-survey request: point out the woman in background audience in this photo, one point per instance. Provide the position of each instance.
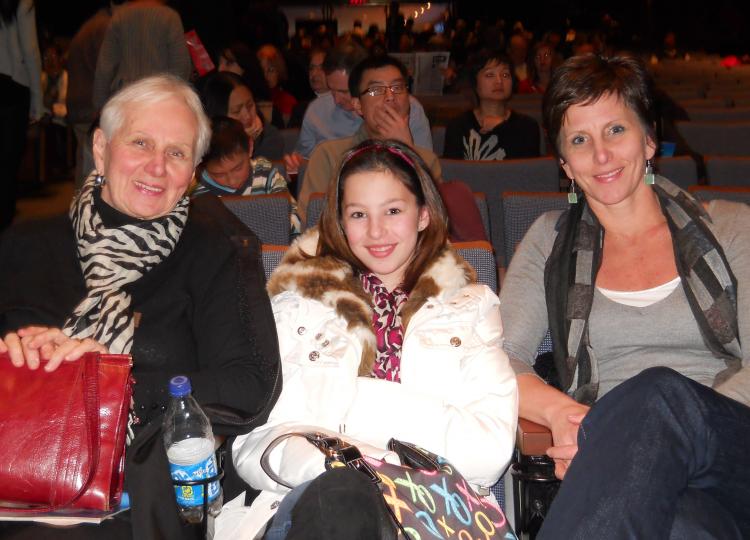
(226, 94)
(646, 295)
(383, 333)
(274, 69)
(540, 70)
(492, 131)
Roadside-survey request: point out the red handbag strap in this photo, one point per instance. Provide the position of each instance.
(90, 371)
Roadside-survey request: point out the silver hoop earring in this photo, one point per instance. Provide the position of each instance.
(572, 195)
(99, 180)
(649, 177)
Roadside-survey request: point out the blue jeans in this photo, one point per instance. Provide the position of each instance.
(660, 456)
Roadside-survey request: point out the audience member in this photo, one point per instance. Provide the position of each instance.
(21, 88)
(540, 70)
(518, 48)
(380, 266)
(82, 55)
(332, 115)
(274, 70)
(380, 96)
(636, 274)
(145, 37)
(492, 131)
(136, 268)
(229, 169)
(226, 94)
(317, 80)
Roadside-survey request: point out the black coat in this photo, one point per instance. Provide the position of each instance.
(203, 312)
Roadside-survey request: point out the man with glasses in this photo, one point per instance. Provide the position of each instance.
(380, 95)
(333, 116)
(380, 98)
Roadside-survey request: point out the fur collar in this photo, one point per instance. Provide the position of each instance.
(333, 282)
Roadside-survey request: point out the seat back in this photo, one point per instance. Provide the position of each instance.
(728, 170)
(494, 177)
(484, 213)
(717, 138)
(266, 215)
(272, 255)
(315, 206)
(728, 193)
(719, 114)
(438, 140)
(521, 209)
(680, 170)
(479, 255)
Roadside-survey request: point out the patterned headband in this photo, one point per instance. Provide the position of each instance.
(380, 145)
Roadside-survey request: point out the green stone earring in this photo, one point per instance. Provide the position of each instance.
(572, 195)
(649, 177)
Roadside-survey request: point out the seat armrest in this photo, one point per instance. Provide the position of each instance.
(532, 439)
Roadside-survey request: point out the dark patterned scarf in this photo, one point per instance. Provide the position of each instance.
(112, 258)
(386, 322)
(570, 277)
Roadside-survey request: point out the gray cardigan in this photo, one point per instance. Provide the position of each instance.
(625, 340)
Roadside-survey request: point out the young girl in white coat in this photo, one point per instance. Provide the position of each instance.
(383, 332)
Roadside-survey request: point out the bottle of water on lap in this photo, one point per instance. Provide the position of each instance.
(189, 442)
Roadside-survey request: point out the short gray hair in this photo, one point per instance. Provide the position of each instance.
(155, 89)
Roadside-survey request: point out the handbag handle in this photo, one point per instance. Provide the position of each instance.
(89, 368)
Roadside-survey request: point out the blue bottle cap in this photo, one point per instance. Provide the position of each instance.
(179, 386)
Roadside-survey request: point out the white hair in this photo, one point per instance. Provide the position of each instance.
(155, 89)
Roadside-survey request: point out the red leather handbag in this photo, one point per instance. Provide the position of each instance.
(63, 434)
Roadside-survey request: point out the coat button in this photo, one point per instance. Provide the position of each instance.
(456, 341)
(318, 335)
(326, 343)
(314, 356)
(430, 306)
(301, 330)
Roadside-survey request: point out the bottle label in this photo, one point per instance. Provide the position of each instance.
(193, 495)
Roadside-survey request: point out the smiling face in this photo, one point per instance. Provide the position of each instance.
(604, 148)
(148, 162)
(494, 82)
(381, 220)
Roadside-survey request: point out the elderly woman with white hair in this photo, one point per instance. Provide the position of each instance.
(136, 268)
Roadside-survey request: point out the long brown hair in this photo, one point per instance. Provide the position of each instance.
(407, 167)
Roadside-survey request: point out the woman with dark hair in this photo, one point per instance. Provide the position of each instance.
(645, 294)
(21, 88)
(227, 94)
(492, 131)
(540, 70)
(383, 333)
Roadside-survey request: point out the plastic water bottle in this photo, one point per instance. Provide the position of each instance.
(189, 442)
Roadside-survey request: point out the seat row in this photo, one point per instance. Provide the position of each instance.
(267, 215)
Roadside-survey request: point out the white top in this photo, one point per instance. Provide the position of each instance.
(643, 298)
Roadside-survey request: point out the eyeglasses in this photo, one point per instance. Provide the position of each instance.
(380, 89)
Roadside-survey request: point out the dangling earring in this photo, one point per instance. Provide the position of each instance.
(572, 195)
(649, 177)
(99, 180)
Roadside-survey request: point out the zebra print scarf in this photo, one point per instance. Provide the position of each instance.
(112, 258)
